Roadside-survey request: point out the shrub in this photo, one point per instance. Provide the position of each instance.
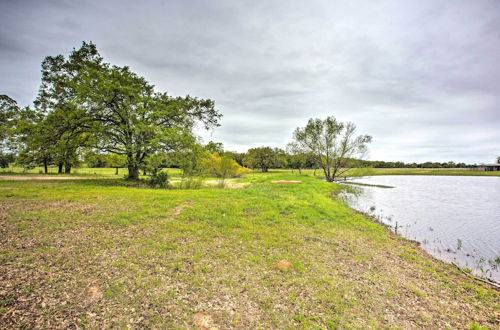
(159, 180)
(223, 167)
(191, 182)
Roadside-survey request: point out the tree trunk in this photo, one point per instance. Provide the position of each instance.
(300, 171)
(67, 168)
(314, 172)
(133, 172)
(59, 168)
(45, 166)
(116, 172)
(327, 174)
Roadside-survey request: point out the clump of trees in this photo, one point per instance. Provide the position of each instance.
(87, 104)
(264, 158)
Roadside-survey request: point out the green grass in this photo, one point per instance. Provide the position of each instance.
(98, 253)
(79, 172)
(175, 173)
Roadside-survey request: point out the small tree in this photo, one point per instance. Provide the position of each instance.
(191, 161)
(263, 158)
(116, 161)
(222, 167)
(236, 156)
(333, 143)
(297, 159)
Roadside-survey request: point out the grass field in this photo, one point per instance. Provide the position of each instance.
(97, 253)
(175, 173)
(92, 172)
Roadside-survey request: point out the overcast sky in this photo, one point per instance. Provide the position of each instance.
(421, 77)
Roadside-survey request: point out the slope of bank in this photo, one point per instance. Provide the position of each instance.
(92, 253)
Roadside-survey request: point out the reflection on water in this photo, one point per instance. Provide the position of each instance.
(455, 218)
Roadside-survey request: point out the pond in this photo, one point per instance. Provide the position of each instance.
(455, 218)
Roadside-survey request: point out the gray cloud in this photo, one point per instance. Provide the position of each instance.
(421, 77)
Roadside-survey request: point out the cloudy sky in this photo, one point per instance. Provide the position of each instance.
(421, 77)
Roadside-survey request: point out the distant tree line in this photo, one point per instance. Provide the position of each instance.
(384, 164)
(281, 159)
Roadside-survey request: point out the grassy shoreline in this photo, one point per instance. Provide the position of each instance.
(94, 253)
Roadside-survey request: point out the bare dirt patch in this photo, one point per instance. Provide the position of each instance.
(204, 321)
(284, 265)
(94, 293)
(179, 208)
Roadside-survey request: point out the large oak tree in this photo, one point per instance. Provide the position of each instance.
(119, 111)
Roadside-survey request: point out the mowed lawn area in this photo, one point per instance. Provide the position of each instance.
(98, 252)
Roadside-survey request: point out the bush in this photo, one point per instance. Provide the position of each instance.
(159, 180)
(191, 182)
(222, 167)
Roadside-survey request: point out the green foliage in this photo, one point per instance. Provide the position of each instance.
(333, 143)
(297, 159)
(264, 158)
(6, 159)
(236, 156)
(9, 111)
(384, 164)
(190, 160)
(36, 140)
(100, 160)
(222, 167)
(213, 147)
(159, 180)
(476, 326)
(116, 111)
(155, 162)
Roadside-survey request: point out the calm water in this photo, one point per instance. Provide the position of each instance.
(455, 218)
